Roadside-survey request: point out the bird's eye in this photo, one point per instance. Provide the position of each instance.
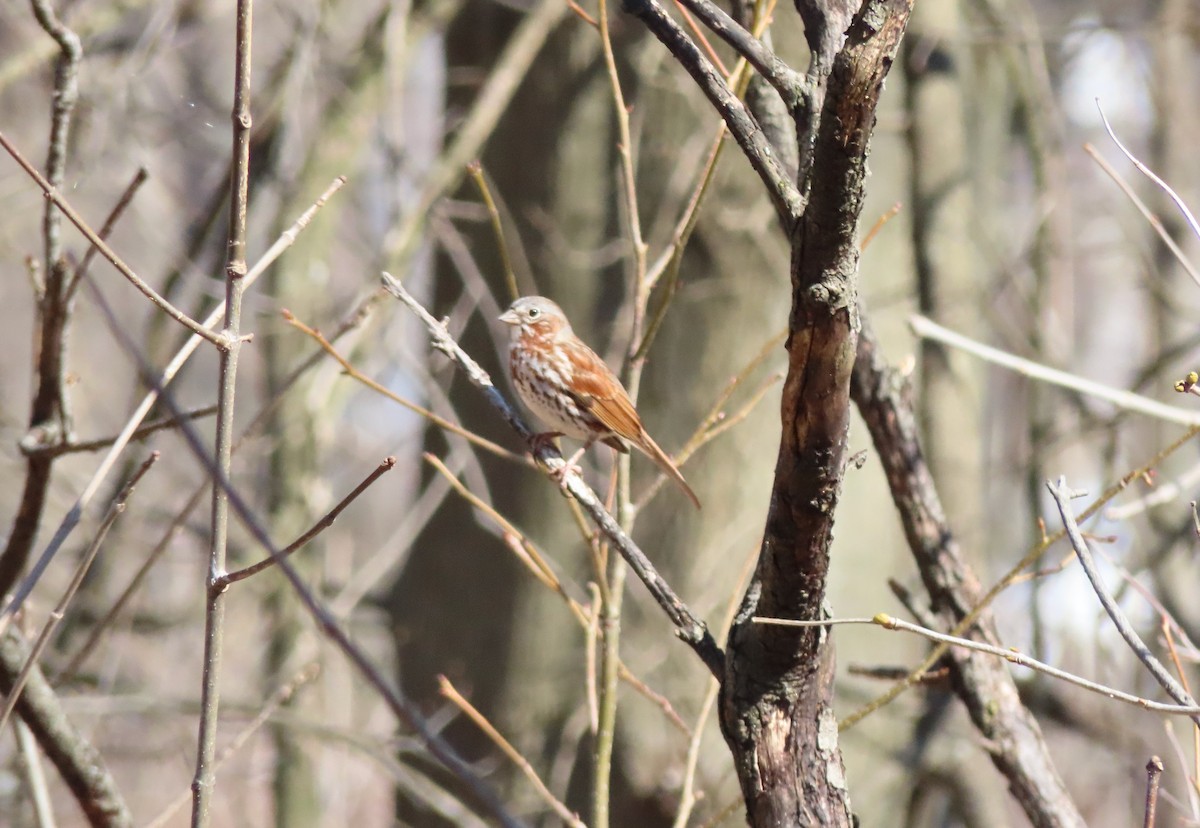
(534, 313)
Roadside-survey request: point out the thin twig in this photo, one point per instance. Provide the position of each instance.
(788, 202)
(447, 690)
(536, 563)
(71, 519)
(612, 596)
(317, 528)
(1062, 496)
(506, 75)
(687, 795)
(80, 766)
(1149, 173)
(928, 329)
(583, 15)
(401, 707)
(125, 270)
(204, 779)
(114, 215)
(475, 169)
(689, 628)
(280, 697)
(1148, 214)
(698, 33)
(1163, 492)
(790, 84)
(879, 224)
(671, 259)
(50, 421)
(96, 630)
(1007, 580)
(141, 433)
(35, 777)
(438, 420)
(85, 563)
(1012, 655)
(717, 420)
(66, 95)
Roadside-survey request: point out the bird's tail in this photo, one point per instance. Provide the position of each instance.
(651, 450)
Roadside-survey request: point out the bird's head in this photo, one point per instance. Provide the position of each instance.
(535, 316)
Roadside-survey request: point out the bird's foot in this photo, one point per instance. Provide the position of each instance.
(569, 466)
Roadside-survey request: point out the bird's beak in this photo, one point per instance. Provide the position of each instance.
(509, 317)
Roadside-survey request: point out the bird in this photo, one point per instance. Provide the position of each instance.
(570, 388)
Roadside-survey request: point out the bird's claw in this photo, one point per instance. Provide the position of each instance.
(559, 475)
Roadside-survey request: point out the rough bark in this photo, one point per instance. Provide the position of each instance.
(776, 700)
(77, 761)
(1011, 733)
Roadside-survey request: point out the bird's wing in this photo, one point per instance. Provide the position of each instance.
(596, 388)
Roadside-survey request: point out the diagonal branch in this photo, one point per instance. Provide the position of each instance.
(400, 705)
(786, 198)
(76, 760)
(107, 252)
(317, 528)
(790, 84)
(1062, 497)
(986, 688)
(688, 627)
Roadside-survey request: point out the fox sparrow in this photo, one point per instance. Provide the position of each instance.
(568, 386)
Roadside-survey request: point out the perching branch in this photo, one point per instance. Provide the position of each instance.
(689, 628)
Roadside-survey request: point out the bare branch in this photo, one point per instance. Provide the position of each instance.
(790, 84)
(204, 779)
(475, 169)
(77, 762)
(1152, 219)
(514, 755)
(270, 707)
(1154, 769)
(433, 417)
(1062, 496)
(141, 433)
(107, 252)
(317, 528)
(351, 322)
(401, 707)
(1127, 400)
(1149, 173)
(789, 204)
(1009, 654)
(85, 563)
(114, 215)
(987, 690)
(156, 383)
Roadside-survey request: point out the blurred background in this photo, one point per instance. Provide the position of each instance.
(1008, 231)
